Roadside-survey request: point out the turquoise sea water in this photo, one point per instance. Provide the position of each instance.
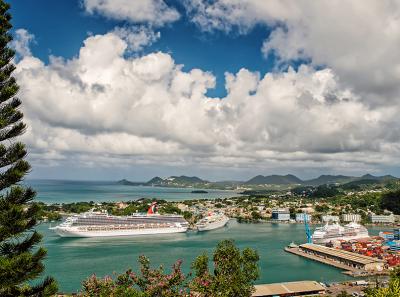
(59, 191)
(71, 260)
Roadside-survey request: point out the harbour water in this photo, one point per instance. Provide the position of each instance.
(71, 260)
(61, 191)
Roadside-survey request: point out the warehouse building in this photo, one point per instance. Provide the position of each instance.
(300, 217)
(350, 259)
(330, 218)
(300, 288)
(351, 217)
(382, 219)
(280, 214)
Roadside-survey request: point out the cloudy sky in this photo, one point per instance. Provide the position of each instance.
(223, 89)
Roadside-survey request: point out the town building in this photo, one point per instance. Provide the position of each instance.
(280, 214)
(351, 217)
(329, 218)
(301, 216)
(382, 219)
(121, 205)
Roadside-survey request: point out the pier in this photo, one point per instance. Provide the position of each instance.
(353, 264)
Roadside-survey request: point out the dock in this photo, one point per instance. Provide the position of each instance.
(352, 263)
(318, 259)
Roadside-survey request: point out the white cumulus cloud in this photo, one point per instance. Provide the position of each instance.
(105, 107)
(155, 12)
(359, 40)
(137, 37)
(21, 42)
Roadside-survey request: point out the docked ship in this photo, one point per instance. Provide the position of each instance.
(101, 224)
(333, 232)
(212, 221)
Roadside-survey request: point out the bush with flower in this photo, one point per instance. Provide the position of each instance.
(233, 275)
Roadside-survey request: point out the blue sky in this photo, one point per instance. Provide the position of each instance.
(61, 33)
(302, 87)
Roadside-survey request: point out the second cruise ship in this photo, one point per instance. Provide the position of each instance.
(332, 232)
(101, 224)
(212, 221)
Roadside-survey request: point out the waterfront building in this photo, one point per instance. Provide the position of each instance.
(330, 218)
(300, 217)
(299, 288)
(351, 217)
(280, 214)
(350, 259)
(382, 219)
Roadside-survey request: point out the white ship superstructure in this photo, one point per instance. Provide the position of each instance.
(212, 221)
(335, 231)
(100, 224)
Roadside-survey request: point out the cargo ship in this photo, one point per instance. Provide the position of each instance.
(101, 224)
(333, 232)
(212, 221)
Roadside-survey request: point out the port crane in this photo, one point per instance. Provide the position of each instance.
(308, 231)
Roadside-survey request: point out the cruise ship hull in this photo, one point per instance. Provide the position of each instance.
(214, 225)
(75, 232)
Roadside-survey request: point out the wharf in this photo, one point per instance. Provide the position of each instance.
(300, 253)
(355, 265)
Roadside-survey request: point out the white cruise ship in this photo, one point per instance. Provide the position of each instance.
(212, 221)
(332, 232)
(100, 224)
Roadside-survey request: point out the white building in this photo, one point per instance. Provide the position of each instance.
(300, 217)
(384, 219)
(330, 218)
(351, 217)
(280, 214)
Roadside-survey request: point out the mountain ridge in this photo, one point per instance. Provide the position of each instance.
(274, 179)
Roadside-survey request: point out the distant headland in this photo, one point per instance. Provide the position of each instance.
(259, 181)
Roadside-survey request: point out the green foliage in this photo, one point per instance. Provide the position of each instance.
(187, 215)
(322, 208)
(20, 258)
(371, 201)
(169, 208)
(325, 191)
(393, 289)
(256, 216)
(391, 201)
(148, 283)
(77, 207)
(233, 276)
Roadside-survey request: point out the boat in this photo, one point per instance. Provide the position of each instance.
(212, 221)
(335, 231)
(101, 224)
